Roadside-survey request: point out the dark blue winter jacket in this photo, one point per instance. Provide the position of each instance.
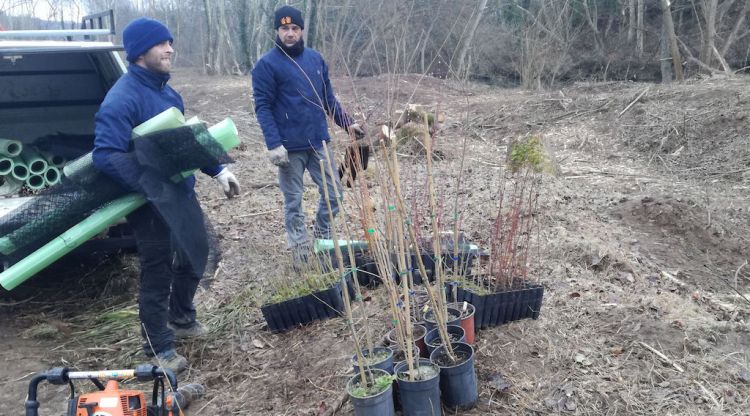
(292, 97)
(137, 96)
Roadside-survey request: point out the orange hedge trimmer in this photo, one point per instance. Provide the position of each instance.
(110, 400)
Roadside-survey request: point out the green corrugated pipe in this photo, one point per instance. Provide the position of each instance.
(35, 182)
(52, 176)
(224, 132)
(53, 160)
(20, 170)
(34, 161)
(6, 165)
(11, 148)
(168, 119)
(10, 185)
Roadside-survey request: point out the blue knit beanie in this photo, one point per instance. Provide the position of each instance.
(142, 34)
(287, 15)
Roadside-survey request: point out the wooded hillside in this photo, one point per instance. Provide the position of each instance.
(535, 43)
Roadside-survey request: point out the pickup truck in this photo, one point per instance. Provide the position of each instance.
(50, 90)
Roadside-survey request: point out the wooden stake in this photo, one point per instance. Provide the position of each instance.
(662, 356)
(634, 101)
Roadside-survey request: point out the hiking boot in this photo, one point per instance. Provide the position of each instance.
(193, 331)
(171, 360)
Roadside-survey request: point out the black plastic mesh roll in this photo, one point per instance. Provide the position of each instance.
(158, 158)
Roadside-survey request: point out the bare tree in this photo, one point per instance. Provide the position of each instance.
(631, 20)
(671, 38)
(640, 30)
(463, 68)
(739, 25)
(219, 56)
(709, 16)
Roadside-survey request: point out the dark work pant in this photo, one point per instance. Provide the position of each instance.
(167, 282)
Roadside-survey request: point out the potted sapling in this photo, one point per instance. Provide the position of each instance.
(371, 389)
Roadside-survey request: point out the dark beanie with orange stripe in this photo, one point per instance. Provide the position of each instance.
(288, 15)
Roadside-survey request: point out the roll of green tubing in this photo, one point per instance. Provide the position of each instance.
(52, 176)
(20, 170)
(6, 165)
(167, 119)
(35, 182)
(10, 148)
(34, 161)
(224, 132)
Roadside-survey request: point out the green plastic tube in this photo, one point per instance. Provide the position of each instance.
(53, 160)
(167, 119)
(34, 161)
(225, 133)
(20, 170)
(322, 245)
(10, 148)
(35, 182)
(52, 176)
(6, 165)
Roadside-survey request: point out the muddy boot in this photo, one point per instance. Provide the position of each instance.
(171, 360)
(193, 331)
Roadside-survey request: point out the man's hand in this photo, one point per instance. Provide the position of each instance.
(357, 131)
(279, 156)
(229, 183)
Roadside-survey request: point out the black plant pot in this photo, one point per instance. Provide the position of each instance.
(380, 404)
(429, 318)
(502, 307)
(535, 303)
(465, 262)
(432, 339)
(386, 364)
(419, 397)
(289, 314)
(367, 271)
(418, 331)
(458, 381)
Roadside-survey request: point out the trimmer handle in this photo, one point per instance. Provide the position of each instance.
(57, 376)
(63, 375)
(148, 372)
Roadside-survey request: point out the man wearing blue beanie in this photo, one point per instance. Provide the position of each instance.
(293, 98)
(167, 285)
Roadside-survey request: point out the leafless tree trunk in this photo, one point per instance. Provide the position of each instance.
(463, 69)
(665, 56)
(210, 47)
(670, 35)
(631, 20)
(709, 15)
(640, 29)
(735, 34)
(219, 52)
(592, 19)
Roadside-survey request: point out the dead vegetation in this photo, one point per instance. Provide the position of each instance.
(642, 247)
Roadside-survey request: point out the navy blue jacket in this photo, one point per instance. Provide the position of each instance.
(292, 96)
(137, 96)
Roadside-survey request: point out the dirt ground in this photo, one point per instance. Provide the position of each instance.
(643, 255)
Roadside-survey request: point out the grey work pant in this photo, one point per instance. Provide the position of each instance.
(290, 182)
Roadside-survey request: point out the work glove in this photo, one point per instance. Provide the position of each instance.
(229, 183)
(279, 156)
(357, 131)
